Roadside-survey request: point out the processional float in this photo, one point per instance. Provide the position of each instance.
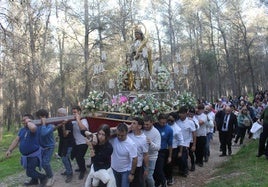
(94, 122)
(137, 80)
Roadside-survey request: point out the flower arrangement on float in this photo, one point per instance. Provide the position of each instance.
(144, 105)
(164, 107)
(120, 104)
(185, 99)
(140, 105)
(95, 102)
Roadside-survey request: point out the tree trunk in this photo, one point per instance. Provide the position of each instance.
(230, 66)
(86, 50)
(32, 67)
(199, 48)
(213, 48)
(172, 43)
(100, 33)
(1, 104)
(193, 60)
(159, 43)
(62, 74)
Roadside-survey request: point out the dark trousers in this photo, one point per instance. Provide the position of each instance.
(241, 132)
(174, 162)
(32, 164)
(79, 155)
(263, 139)
(200, 148)
(226, 141)
(161, 162)
(138, 180)
(183, 161)
(191, 155)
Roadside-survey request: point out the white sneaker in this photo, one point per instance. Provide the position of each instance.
(50, 181)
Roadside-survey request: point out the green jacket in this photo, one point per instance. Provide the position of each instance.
(264, 116)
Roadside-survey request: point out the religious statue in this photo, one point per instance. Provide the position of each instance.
(140, 61)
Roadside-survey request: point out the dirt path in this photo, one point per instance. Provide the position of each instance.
(203, 174)
(197, 178)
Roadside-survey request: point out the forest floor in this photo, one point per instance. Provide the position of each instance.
(199, 177)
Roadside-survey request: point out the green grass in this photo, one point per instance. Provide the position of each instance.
(243, 169)
(9, 166)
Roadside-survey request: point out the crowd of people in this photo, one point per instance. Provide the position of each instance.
(37, 144)
(146, 152)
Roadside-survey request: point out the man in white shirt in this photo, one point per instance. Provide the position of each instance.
(124, 158)
(153, 140)
(188, 131)
(142, 150)
(201, 135)
(80, 148)
(191, 116)
(210, 129)
(177, 146)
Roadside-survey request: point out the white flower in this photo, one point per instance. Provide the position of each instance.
(146, 108)
(95, 101)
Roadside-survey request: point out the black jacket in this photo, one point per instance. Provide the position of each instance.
(232, 123)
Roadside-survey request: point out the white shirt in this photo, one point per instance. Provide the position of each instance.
(202, 130)
(187, 128)
(177, 136)
(226, 121)
(196, 122)
(210, 123)
(123, 154)
(142, 146)
(155, 137)
(79, 138)
(218, 107)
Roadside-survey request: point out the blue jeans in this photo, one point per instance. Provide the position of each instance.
(209, 138)
(150, 179)
(32, 163)
(121, 178)
(46, 158)
(67, 162)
